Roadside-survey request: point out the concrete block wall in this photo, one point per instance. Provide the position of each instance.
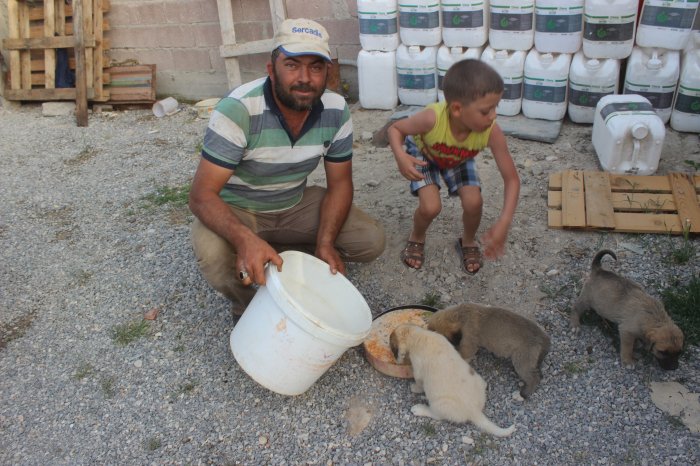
(182, 37)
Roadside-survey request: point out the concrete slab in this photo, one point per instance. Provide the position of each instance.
(517, 126)
(674, 399)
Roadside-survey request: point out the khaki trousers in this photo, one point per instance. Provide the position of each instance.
(361, 239)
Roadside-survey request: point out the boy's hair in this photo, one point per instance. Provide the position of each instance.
(468, 80)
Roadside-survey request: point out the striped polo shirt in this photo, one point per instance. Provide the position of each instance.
(247, 134)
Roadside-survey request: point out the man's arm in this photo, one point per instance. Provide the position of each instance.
(205, 202)
(334, 211)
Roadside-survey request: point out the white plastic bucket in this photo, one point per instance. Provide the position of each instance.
(666, 23)
(653, 73)
(511, 25)
(379, 24)
(558, 25)
(686, 108)
(464, 23)
(608, 28)
(510, 65)
(545, 85)
(628, 135)
(376, 73)
(416, 69)
(590, 79)
(299, 324)
(446, 57)
(420, 22)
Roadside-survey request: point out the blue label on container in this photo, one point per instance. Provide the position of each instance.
(511, 21)
(512, 91)
(599, 32)
(541, 93)
(416, 81)
(659, 100)
(687, 103)
(417, 20)
(558, 23)
(462, 19)
(586, 98)
(378, 26)
(667, 17)
(626, 107)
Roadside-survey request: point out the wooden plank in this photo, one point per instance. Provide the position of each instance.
(13, 33)
(98, 84)
(628, 202)
(37, 30)
(44, 94)
(573, 207)
(630, 222)
(59, 42)
(686, 202)
(81, 88)
(49, 54)
(24, 56)
(88, 30)
(246, 48)
(630, 183)
(599, 209)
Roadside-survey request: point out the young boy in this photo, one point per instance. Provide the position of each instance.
(442, 140)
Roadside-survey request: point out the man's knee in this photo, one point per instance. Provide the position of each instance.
(366, 239)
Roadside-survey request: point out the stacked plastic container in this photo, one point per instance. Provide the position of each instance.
(376, 62)
(556, 57)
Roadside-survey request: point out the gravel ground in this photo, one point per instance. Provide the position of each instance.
(84, 251)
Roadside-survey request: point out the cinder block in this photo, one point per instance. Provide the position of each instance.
(352, 7)
(207, 35)
(250, 31)
(191, 59)
(311, 9)
(343, 32)
(179, 35)
(146, 13)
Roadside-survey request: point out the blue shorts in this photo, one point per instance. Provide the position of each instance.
(464, 174)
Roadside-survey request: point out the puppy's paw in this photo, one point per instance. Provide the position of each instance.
(517, 396)
(576, 330)
(628, 365)
(421, 410)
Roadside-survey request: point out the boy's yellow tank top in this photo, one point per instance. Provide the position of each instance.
(440, 146)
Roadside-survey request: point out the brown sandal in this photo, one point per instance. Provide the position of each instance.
(471, 256)
(413, 251)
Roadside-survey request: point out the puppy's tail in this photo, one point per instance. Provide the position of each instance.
(598, 257)
(485, 424)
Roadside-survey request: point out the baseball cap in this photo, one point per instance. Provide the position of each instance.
(302, 37)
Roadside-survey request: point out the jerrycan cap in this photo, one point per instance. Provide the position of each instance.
(456, 50)
(654, 63)
(414, 49)
(592, 64)
(547, 58)
(501, 54)
(640, 131)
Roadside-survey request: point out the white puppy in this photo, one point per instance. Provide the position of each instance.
(454, 390)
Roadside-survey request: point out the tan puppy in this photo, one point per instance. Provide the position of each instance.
(637, 315)
(454, 390)
(501, 331)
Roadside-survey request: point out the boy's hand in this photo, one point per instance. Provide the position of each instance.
(407, 166)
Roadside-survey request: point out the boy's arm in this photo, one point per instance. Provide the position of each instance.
(494, 239)
(418, 123)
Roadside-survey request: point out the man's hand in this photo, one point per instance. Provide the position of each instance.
(253, 253)
(327, 253)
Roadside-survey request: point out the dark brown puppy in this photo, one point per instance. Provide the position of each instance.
(501, 331)
(637, 315)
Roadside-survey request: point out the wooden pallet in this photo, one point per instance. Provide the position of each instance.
(132, 84)
(624, 203)
(35, 30)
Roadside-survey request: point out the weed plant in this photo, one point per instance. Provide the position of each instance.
(683, 304)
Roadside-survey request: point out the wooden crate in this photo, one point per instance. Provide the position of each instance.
(624, 203)
(35, 31)
(132, 84)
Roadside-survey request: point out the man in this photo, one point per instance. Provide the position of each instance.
(249, 193)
